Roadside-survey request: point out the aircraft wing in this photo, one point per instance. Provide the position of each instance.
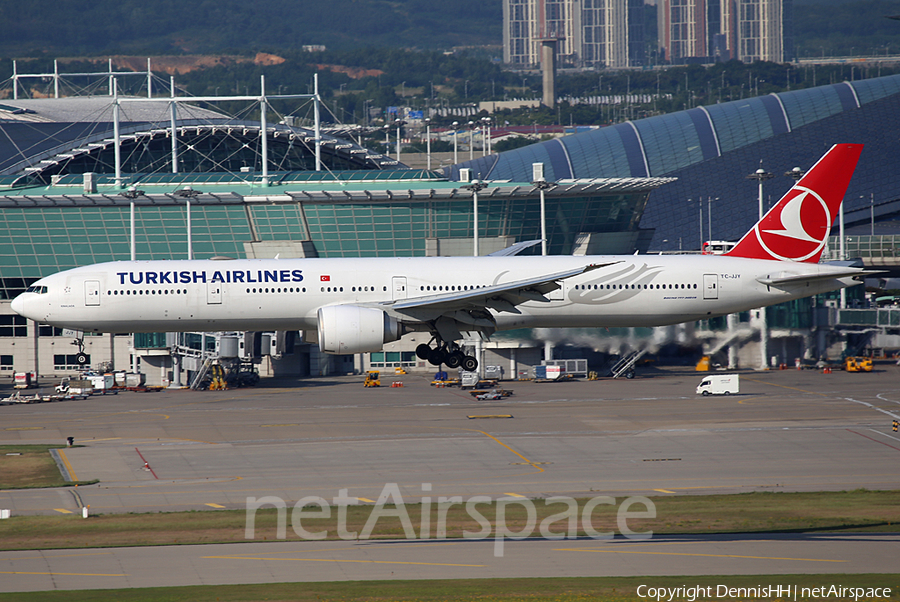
(500, 297)
(515, 249)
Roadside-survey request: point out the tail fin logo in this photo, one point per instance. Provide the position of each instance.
(797, 227)
(799, 230)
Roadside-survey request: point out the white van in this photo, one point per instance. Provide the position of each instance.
(719, 384)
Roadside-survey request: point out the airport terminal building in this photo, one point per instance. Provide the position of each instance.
(625, 188)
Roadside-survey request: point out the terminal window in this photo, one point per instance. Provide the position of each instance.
(13, 326)
(392, 359)
(6, 363)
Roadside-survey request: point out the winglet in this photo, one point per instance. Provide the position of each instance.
(797, 227)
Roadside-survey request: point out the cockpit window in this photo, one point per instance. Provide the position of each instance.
(40, 290)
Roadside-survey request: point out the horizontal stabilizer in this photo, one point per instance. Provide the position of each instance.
(795, 278)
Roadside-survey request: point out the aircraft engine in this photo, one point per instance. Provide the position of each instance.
(355, 329)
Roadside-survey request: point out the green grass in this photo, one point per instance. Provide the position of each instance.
(575, 589)
(858, 511)
(33, 467)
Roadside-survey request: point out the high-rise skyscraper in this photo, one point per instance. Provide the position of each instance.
(764, 30)
(719, 30)
(589, 32)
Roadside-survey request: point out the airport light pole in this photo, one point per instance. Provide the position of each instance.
(173, 120)
(700, 206)
(366, 112)
(761, 175)
(472, 127)
(455, 125)
(795, 173)
(543, 186)
(485, 136)
(188, 193)
(114, 91)
(475, 186)
(131, 194)
(709, 202)
(872, 212)
(428, 141)
(399, 123)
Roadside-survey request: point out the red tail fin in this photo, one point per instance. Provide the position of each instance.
(796, 228)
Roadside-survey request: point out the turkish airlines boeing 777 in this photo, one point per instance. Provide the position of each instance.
(358, 305)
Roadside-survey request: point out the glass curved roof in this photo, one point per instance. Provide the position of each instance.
(663, 144)
(46, 137)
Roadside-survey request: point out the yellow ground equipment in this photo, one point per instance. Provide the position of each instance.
(218, 378)
(703, 364)
(372, 379)
(858, 364)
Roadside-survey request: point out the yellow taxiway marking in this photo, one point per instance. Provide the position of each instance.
(63, 510)
(785, 387)
(430, 543)
(340, 560)
(24, 428)
(695, 554)
(211, 505)
(365, 499)
(486, 434)
(664, 490)
(67, 464)
(475, 417)
(67, 574)
(527, 461)
(515, 495)
(126, 413)
(59, 556)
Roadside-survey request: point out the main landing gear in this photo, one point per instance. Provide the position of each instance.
(450, 355)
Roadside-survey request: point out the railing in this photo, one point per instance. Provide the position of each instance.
(866, 247)
(884, 317)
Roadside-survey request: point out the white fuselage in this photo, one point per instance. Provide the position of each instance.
(285, 294)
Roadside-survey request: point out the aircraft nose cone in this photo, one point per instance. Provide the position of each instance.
(18, 305)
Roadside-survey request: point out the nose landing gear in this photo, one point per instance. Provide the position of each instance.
(81, 357)
(451, 355)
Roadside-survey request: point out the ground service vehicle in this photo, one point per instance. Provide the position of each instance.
(858, 364)
(23, 380)
(372, 379)
(719, 384)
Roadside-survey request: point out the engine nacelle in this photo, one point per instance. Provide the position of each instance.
(355, 329)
